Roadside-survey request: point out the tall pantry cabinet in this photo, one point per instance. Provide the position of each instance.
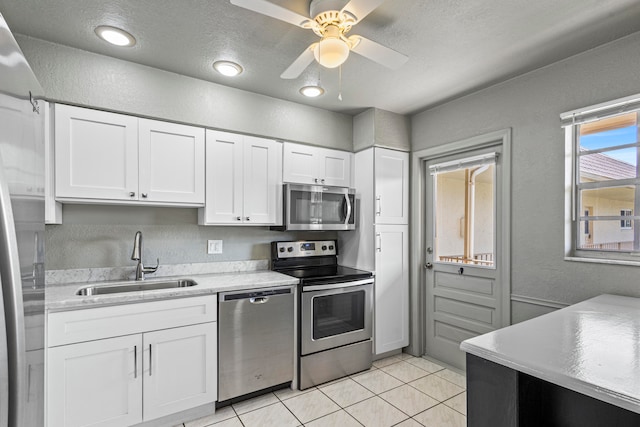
(381, 241)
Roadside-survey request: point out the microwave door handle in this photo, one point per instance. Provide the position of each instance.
(348, 203)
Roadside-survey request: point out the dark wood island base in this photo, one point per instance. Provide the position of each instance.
(498, 396)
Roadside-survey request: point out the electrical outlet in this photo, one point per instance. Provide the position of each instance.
(214, 247)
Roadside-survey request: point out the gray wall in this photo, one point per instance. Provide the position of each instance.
(78, 77)
(102, 236)
(380, 128)
(530, 105)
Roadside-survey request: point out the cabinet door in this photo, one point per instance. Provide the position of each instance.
(96, 383)
(96, 154)
(300, 164)
(171, 162)
(392, 288)
(391, 186)
(262, 180)
(180, 369)
(224, 192)
(335, 168)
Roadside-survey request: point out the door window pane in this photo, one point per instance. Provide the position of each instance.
(464, 215)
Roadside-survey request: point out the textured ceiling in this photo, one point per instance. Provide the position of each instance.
(454, 47)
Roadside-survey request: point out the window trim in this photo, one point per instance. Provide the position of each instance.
(570, 121)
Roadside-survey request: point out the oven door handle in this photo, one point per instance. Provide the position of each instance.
(337, 285)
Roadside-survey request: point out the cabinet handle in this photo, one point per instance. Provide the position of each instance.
(132, 194)
(135, 361)
(238, 218)
(144, 195)
(322, 180)
(247, 218)
(378, 206)
(378, 242)
(150, 360)
(316, 180)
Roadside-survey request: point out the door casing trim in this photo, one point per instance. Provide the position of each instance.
(417, 329)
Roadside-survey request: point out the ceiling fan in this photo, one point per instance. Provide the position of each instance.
(332, 20)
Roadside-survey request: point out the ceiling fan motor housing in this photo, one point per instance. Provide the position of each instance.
(317, 7)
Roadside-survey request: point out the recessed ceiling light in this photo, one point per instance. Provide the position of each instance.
(227, 68)
(115, 36)
(312, 91)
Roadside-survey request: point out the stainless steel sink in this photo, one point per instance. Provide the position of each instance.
(134, 287)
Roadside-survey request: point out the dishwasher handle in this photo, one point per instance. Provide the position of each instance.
(255, 296)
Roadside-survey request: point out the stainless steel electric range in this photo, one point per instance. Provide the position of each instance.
(335, 310)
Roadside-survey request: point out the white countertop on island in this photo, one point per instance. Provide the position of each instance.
(592, 347)
(63, 297)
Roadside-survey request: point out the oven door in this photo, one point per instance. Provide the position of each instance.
(317, 207)
(336, 314)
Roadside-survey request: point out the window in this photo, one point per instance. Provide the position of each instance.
(464, 210)
(603, 181)
(626, 224)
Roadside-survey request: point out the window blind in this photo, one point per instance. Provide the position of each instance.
(469, 162)
(599, 111)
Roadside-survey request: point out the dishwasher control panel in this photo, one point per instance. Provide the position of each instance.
(304, 248)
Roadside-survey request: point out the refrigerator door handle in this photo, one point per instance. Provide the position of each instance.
(14, 311)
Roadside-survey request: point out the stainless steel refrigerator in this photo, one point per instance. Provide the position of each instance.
(21, 239)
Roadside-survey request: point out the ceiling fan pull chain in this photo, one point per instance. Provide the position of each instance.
(340, 83)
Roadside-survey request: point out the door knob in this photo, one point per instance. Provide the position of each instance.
(428, 266)
(132, 194)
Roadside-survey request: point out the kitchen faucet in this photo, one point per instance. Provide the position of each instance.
(137, 256)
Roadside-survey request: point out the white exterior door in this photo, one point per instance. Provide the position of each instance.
(96, 154)
(224, 189)
(171, 162)
(464, 288)
(261, 180)
(391, 186)
(335, 168)
(95, 383)
(300, 164)
(391, 288)
(180, 369)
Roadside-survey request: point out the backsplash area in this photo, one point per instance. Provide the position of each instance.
(95, 237)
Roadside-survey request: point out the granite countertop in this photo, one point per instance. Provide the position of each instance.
(61, 297)
(592, 347)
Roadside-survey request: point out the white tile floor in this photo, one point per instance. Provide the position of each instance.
(399, 391)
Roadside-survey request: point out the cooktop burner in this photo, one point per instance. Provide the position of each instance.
(313, 262)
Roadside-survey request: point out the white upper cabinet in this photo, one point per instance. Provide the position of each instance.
(171, 160)
(96, 154)
(305, 164)
(244, 180)
(107, 157)
(391, 186)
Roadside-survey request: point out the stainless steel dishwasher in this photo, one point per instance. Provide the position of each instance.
(255, 340)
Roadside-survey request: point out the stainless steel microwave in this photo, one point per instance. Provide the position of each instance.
(318, 207)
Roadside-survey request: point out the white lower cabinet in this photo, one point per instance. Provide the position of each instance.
(126, 380)
(180, 373)
(392, 288)
(96, 383)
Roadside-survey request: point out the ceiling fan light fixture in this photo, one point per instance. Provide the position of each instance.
(311, 91)
(115, 36)
(331, 52)
(227, 68)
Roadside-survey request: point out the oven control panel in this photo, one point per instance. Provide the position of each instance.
(306, 248)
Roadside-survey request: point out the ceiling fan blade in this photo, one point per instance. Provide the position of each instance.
(378, 53)
(300, 64)
(361, 8)
(274, 11)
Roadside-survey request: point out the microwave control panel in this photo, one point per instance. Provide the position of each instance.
(306, 248)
